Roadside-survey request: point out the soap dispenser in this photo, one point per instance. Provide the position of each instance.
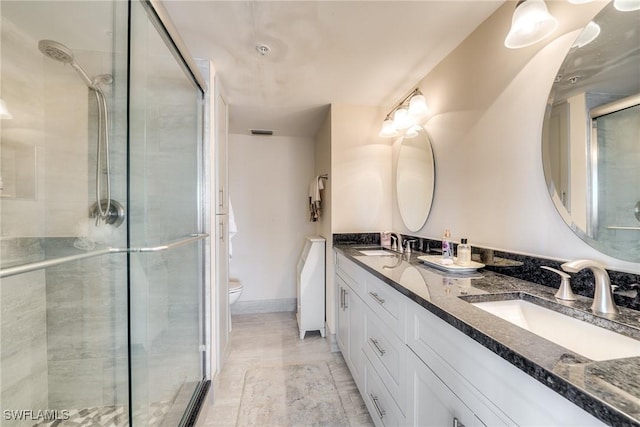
(447, 250)
(464, 253)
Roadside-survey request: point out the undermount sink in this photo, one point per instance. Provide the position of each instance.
(579, 336)
(377, 252)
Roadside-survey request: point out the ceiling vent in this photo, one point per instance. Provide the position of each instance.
(262, 132)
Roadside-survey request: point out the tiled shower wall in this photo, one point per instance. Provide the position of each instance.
(618, 157)
(86, 330)
(63, 329)
(23, 332)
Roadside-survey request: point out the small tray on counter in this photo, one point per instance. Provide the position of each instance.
(436, 261)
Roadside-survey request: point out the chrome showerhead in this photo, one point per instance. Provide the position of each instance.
(57, 51)
(54, 50)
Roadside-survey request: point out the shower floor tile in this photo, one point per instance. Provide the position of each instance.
(108, 416)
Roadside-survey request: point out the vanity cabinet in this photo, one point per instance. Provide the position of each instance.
(369, 336)
(497, 392)
(412, 368)
(351, 323)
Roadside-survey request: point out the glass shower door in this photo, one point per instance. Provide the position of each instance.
(166, 251)
(63, 275)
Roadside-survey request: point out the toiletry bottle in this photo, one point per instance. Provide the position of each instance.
(385, 239)
(447, 250)
(464, 253)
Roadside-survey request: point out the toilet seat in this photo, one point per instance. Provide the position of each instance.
(234, 286)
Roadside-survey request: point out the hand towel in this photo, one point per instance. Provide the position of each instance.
(315, 200)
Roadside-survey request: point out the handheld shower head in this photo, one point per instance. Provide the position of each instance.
(59, 52)
(55, 50)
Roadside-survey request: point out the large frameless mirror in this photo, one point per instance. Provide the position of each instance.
(415, 177)
(591, 135)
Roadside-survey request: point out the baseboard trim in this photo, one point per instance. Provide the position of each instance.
(264, 306)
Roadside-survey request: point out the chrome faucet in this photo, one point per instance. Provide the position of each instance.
(408, 243)
(603, 295)
(398, 238)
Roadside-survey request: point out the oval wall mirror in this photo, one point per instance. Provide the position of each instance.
(591, 135)
(415, 175)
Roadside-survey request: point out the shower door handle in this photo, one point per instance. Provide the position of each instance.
(189, 239)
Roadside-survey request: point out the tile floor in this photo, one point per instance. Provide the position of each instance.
(272, 339)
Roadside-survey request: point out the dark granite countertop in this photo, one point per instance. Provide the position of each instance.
(609, 390)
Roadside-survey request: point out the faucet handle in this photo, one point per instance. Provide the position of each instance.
(565, 292)
(394, 239)
(408, 244)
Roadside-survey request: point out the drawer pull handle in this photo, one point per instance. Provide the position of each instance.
(457, 423)
(376, 297)
(379, 410)
(376, 344)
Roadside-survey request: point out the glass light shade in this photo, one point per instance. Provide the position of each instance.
(4, 111)
(626, 5)
(589, 34)
(418, 106)
(531, 23)
(402, 120)
(412, 132)
(388, 129)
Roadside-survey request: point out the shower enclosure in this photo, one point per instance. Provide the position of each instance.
(614, 157)
(102, 226)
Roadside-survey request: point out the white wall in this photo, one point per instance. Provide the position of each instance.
(269, 185)
(488, 104)
(361, 193)
(323, 225)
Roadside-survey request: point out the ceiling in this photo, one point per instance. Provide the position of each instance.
(321, 52)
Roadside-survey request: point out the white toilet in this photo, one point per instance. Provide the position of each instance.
(235, 290)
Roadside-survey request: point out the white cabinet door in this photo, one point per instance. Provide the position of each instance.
(432, 403)
(342, 335)
(220, 150)
(222, 285)
(357, 337)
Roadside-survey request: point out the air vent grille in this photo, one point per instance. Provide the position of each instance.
(261, 132)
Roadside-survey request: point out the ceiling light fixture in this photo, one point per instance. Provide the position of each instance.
(531, 23)
(405, 115)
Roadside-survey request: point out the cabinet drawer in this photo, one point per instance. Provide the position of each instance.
(421, 339)
(381, 405)
(350, 273)
(432, 403)
(387, 303)
(387, 355)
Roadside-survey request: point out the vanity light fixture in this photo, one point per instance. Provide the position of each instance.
(531, 23)
(4, 111)
(402, 120)
(388, 129)
(405, 115)
(412, 132)
(626, 5)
